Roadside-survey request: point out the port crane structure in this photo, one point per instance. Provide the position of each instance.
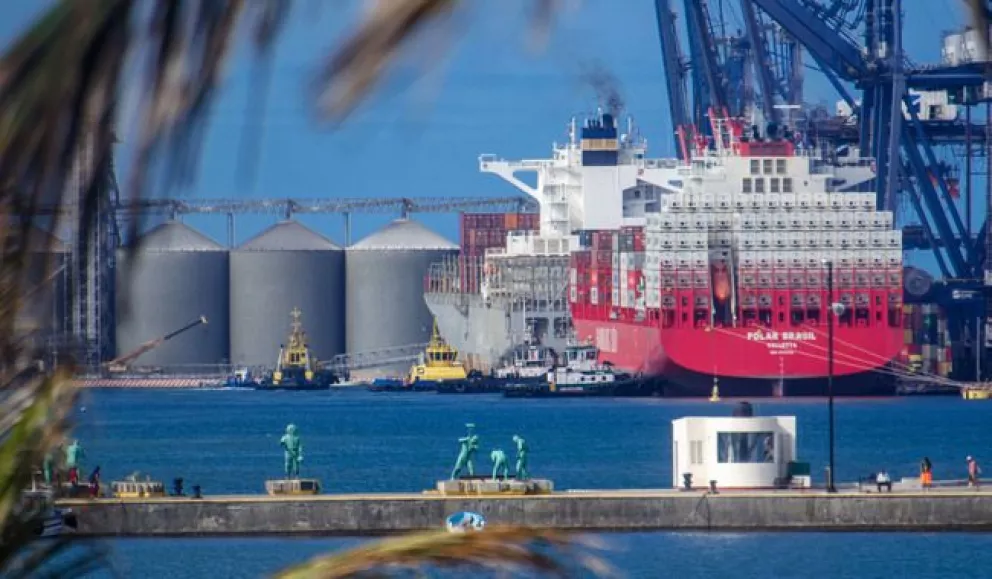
(858, 46)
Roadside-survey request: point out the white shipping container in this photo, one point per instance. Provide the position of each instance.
(845, 221)
(813, 220)
(765, 240)
(788, 201)
(828, 221)
(573, 275)
(615, 296)
(797, 221)
(893, 257)
(698, 221)
(667, 262)
(867, 201)
(683, 260)
(594, 295)
(708, 201)
(852, 201)
(821, 201)
(763, 222)
(780, 221)
(862, 221)
(836, 201)
(894, 239)
(699, 259)
(723, 202)
(747, 259)
(573, 294)
(772, 201)
(804, 201)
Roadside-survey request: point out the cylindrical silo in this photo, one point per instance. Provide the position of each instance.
(283, 268)
(385, 294)
(177, 275)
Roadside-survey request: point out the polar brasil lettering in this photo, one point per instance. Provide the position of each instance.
(774, 336)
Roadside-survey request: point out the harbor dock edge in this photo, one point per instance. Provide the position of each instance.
(378, 514)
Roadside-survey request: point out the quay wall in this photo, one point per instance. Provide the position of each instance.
(586, 511)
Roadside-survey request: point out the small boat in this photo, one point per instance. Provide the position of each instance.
(465, 522)
(296, 367)
(438, 366)
(582, 375)
(529, 364)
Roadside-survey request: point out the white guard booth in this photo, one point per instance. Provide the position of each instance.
(736, 452)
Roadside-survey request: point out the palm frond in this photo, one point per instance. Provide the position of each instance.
(520, 549)
(61, 87)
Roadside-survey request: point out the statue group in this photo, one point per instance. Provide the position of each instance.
(469, 444)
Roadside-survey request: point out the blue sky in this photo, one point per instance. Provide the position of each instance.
(421, 134)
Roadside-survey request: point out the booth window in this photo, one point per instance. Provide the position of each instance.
(745, 447)
(696, 451)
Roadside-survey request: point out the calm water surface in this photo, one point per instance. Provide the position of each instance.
(227, 441)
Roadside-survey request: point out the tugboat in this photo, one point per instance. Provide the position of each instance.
(438, 367)
(296, 368)
(529, 364)
(581, 375)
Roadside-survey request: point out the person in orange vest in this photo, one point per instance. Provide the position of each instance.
(926, 474)
(973, 472)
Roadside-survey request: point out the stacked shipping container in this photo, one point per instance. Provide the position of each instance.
(926, 336)
(608, 273)
(481, 231)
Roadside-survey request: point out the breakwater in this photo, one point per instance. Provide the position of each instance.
(374, 514)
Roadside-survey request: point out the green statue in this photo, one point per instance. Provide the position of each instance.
(293, 451)
(499, 464)
(469, 444)
(522, 473)
(74, 455)
(48, 468)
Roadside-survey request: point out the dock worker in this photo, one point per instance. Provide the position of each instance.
(883, 480)
(926, 474)
(973, 472)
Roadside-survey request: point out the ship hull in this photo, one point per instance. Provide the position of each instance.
(486, 385)
(485, 332)
(748, 362)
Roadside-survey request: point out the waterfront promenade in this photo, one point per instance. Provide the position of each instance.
(601, 510)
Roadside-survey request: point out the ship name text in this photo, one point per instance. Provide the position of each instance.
(773, 336)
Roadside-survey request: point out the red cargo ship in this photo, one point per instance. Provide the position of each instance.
(728, 286)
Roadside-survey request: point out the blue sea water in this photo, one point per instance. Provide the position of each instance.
(227, 442)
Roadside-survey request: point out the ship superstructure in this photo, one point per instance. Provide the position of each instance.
(599, 178)
(728, 284)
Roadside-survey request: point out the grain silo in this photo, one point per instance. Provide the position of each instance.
(283, 268)
(385, 295)
(177, 275)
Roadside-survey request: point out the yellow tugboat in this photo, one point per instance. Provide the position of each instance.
(979, 391)
(438, 364)
(297, 368)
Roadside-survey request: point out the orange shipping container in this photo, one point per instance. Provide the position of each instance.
(510, 222)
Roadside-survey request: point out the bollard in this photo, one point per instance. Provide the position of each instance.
(196, 492)
(177, 487)
(687, 481)
(713, 487)
(830, 479)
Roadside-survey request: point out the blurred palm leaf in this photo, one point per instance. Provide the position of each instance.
(62, 83)
(509, 549)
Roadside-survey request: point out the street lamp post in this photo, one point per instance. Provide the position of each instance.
(830, 370)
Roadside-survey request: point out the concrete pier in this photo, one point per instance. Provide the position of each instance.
(373, 514)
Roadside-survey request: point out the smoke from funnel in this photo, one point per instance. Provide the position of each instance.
(607, 88)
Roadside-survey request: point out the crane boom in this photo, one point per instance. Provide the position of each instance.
(120, 363)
